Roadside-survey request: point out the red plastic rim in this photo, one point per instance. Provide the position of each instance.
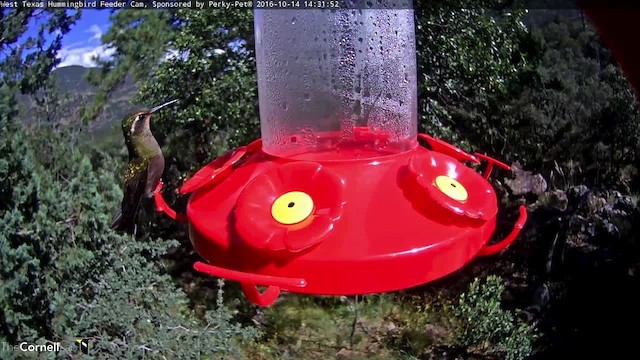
(215, 170)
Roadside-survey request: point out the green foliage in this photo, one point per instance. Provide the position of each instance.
(313, 327)
(580, 115)
(483, 323)
(63, 273)
(551, 97)
(85, 280)
(211, 70)
(467, 57)
(217, 92)
(139, 38)
(13, 168)
(28, 60)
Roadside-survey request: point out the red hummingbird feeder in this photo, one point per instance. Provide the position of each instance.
(338, 197)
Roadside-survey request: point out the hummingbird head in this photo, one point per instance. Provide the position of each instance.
(138, 122)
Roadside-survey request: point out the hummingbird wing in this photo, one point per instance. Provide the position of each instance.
(154, 173)
(134, 185)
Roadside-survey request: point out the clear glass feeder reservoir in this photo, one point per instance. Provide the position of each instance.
(336, 80)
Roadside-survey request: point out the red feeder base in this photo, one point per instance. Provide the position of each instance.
(330, 223)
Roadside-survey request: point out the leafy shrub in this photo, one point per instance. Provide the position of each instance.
(483, 324)
(64, 274)
(468, 56)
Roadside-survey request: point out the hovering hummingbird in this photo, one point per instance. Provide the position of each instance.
(146, 164)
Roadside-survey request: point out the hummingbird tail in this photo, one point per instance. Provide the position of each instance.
(120, 223)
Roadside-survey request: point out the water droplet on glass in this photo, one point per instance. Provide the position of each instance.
(293, 21)
(307, 96)
(360, 39)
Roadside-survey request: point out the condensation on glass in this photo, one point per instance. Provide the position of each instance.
(328, 73)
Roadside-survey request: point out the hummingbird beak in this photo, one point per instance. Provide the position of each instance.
(161, 106)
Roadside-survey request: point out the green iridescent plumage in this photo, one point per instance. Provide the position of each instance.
(146, 164)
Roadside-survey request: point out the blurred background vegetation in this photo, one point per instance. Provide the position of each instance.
(536, 87)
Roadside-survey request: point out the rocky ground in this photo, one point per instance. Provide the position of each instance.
(580, 256)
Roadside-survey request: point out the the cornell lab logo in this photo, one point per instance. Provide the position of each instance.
(83, 345)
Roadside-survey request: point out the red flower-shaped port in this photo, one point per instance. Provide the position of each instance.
(453, 186)
(291, 207)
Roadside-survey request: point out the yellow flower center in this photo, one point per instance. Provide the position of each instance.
(452, 188)
(292, 207)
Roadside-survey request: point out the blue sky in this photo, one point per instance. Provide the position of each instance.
(83, 41)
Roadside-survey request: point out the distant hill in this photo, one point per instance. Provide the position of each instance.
(72, 78)
(75, 92)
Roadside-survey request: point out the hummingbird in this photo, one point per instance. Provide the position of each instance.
(145, 167)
